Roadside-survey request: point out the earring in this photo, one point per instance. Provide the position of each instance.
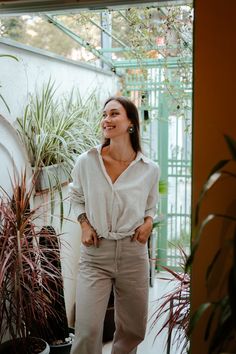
(131, 129)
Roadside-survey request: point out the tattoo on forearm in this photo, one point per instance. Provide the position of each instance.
(83, 218)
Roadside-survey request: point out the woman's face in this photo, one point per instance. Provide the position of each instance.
(115, 121)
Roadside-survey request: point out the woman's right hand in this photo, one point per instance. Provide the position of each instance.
(89, 236)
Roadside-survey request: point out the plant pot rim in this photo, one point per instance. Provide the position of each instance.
(65, 344)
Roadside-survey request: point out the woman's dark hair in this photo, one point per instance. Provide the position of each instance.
(133, 116)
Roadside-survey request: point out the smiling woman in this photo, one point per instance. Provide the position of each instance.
(115, 117)
(116, 125)
(114, 251)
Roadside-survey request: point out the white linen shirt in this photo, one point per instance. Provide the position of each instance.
(116, 209)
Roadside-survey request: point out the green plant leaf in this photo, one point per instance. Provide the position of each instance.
(221, 336)
(1, 97)
(198, 233)
(197, 315)
(211, 266)
(218, 166)
(163, 186)
(209, 323)
(213, 177)
(231, 145)
(9, 56)
(5, 103)
(232, 282)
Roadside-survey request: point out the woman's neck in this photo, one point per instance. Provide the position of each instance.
(121, 152)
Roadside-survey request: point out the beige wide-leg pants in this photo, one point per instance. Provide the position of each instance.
(124, 265)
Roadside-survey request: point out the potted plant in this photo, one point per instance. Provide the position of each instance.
(26, 274)
(220, 329)
(53, 132)
(47, 133)
(55, 331)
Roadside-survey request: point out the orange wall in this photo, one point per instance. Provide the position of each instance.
(214, 115)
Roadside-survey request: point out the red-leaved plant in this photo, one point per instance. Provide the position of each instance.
(26, 274)
(174, 306)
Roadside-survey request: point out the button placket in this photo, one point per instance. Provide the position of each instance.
(110, 226)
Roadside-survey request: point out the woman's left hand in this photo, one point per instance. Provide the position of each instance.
(143, 232)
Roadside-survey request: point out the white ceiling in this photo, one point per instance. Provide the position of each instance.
(26, 6)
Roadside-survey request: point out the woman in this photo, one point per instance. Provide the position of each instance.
(114, 194)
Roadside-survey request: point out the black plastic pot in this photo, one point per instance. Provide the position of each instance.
(60, 348)
(17, 347)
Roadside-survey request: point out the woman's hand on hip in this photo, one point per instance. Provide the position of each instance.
(89, 236)
(143, 232)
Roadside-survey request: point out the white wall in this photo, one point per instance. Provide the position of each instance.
(18, 79)
(35, 67)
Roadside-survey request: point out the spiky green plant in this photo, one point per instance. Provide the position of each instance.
(220, 329)
(54, 131)
(88, 118)
(46, 130)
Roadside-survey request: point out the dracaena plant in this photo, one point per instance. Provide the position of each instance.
(173, 308)
(26, 273)
(220, 329)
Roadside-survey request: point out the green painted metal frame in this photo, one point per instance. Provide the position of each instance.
(123, 45)
(128, 49)
(175, 220)
(118, 64)
(172, 62)
(80, 40)
(162, 242)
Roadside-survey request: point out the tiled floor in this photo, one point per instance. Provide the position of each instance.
(151, 345)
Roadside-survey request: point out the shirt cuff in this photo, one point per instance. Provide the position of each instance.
(78, 209)
(150, 212)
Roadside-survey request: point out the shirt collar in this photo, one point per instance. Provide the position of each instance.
(139, 156)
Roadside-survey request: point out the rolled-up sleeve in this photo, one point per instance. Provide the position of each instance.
(76, 193)
(153, 196)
